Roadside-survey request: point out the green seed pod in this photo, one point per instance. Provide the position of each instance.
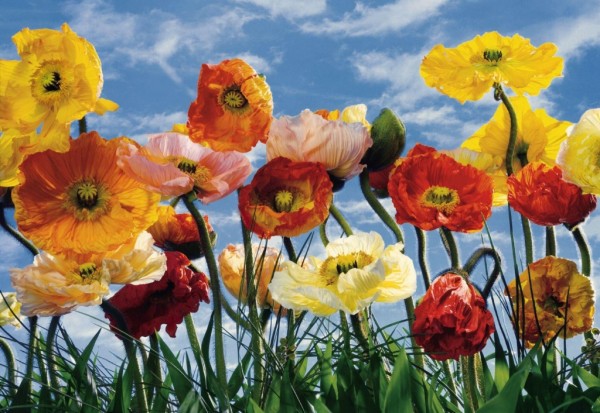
(389, 136)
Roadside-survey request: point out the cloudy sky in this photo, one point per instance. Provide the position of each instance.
(315, 54)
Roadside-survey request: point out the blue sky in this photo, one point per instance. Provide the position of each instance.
(315, 54)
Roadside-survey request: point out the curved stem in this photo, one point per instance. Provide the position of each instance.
(422, 246)
(16, 234)
(82, 123)
(550, 241)
(450, 246)
(9, 356)
(323, 232)
(474, 260)
(50, 359)
(289, 247)
(377, 207)
(528, 239)
(512, 139)
(216, 288)
(584, 250)
(340, 219)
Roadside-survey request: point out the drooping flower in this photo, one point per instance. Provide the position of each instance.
(10, 310)
(232, 265)
(538, 135)
(58, 80)
(431, 190)
(167, 301)
(172, 165)
(286, 198)
(179, 232)
(358, 270)
(541, 195)
(469, 71)
(452, 320)
(234, 107)
(554, 296)
(79, 201)
(579, 155)
(337, 145)
(55, 285)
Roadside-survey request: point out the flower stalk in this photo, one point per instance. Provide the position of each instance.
(10, 367)
(450, 246)
(512, 141)
(550, 241)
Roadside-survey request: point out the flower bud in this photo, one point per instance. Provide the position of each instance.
(10, 309)
(389, 135)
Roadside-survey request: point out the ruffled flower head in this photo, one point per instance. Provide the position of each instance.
(358, 271)
(337, 145)
(172, 165)
(452, 320)
(554, 296)
(167, 301)
(79, 201)
(431, 190)
(58, 80)
(469, 71)
(234, 107)
(286, 198)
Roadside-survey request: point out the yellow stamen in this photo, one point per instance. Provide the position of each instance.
(187, 166)
(87, 194)
(492, 55)
(442, 198)
(284, 200)
(233, 100)
(333, 267)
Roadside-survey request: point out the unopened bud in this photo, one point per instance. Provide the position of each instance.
(389, 135)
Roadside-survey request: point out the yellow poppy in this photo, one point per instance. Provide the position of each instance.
(58, 80)
(358, 270)
(79, 201)
(538, 135)
(468, 71)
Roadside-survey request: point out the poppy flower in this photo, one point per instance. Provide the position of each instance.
(554, 296)
(172, 165)
(79, 201)
(167, 301)
(541, 195)
(58, 80)
(358, 271)
(378, 180)
(469, 71)
(430, 190)
(539, 135)
(579, 153)
(10, 310)
(452, 320)
(179, 232)
(234, 107)
(337, 145)
(350, 114)
(232, 270)
(286, 198)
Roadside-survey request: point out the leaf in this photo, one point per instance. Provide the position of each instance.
(182, 384)
(506, 400)
(398, 397)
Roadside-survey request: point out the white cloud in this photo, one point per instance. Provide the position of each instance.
(373, 21)
(575, 35)
(592, 228)
(137, 127)
(290, 9)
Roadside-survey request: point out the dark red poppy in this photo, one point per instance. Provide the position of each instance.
(452, 319)
(147, 307)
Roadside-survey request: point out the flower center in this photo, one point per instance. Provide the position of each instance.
(333, 267)
(187, 166)
(521, 153)
(86, 274)
(284, 200)
(492, 55)
(201, 175)
(554, 305)
(233, 100)
(51, 83)
(87, 200)
(442, 198)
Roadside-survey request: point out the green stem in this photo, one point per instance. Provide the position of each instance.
(360, 331)
(584, 250)
(377, 207)
(50, 359)
(175, 201)
(193, 339)
(422, 245)
(323, 232)
(528, 239)
(10, 367)
(340, 219)
(216, 288)
(470, 380)
(550, 241)
(82, 123)
(451, 382)
(450, 246)
(154, 367)
(410, 315)
(512, 139)
(345, 331)
(33, 327)
(289, 247)
(16, 234)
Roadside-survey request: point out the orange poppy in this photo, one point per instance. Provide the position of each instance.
(431, 190)
(540, 194)
(286, 198)
(79, 201)
(234, 107)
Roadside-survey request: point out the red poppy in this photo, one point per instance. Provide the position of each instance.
(234, 107)
(147, 307)
(430, 190)
(452, 319)
(539, 192)
(286, 198)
